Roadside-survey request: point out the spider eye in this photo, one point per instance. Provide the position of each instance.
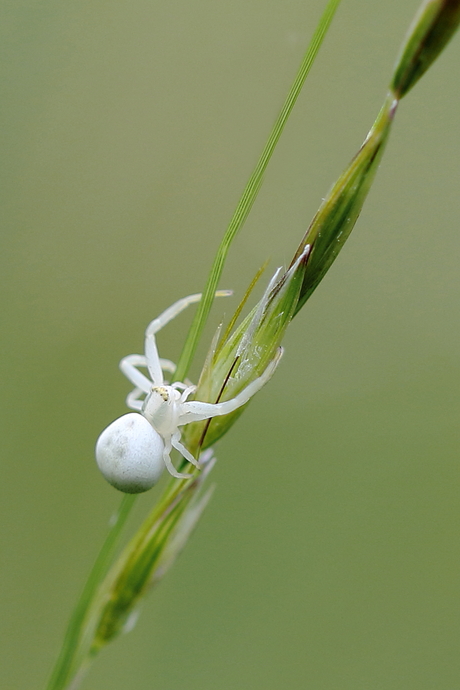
(162, 392)
(129, 454)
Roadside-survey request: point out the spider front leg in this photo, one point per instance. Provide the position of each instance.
(151, 351)
(168, 462)
(198, 411)
(175, 440)
(132, 400)
(129, 364)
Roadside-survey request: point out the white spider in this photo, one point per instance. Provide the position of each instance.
(132, 452)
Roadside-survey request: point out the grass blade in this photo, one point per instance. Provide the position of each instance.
(250, 192)
(65, 663)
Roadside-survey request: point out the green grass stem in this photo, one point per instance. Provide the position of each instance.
(65, 664)
(250, 192)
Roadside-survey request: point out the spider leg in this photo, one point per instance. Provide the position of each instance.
(179, 385)
(128, 367)
(197, 411)
(129, 364)
(187, 390)
(151, 352)
(168, 462)
(167, 365)
(133, 402)
(175, 440)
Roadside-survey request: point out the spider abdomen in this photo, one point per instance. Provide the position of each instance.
(129, 453)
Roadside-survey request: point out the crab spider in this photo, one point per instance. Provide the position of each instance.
(133, 451)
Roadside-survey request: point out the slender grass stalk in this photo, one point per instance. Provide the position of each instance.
(250, 192)
(65, 662)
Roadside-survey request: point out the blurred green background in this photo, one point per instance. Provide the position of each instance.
(329, 556)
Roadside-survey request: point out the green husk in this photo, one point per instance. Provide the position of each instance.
(432, 28)
(339, 212)
(245, 353)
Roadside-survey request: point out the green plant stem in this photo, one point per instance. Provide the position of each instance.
(70, 665)
(250, 193)
(64, 666)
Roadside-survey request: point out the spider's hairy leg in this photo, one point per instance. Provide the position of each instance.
(128, 367)
(168, 462)
(187, 388)
(151, 352)
(175, 440)
(167, 365)
(198, 411)
(133, 402)
(171, 312)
